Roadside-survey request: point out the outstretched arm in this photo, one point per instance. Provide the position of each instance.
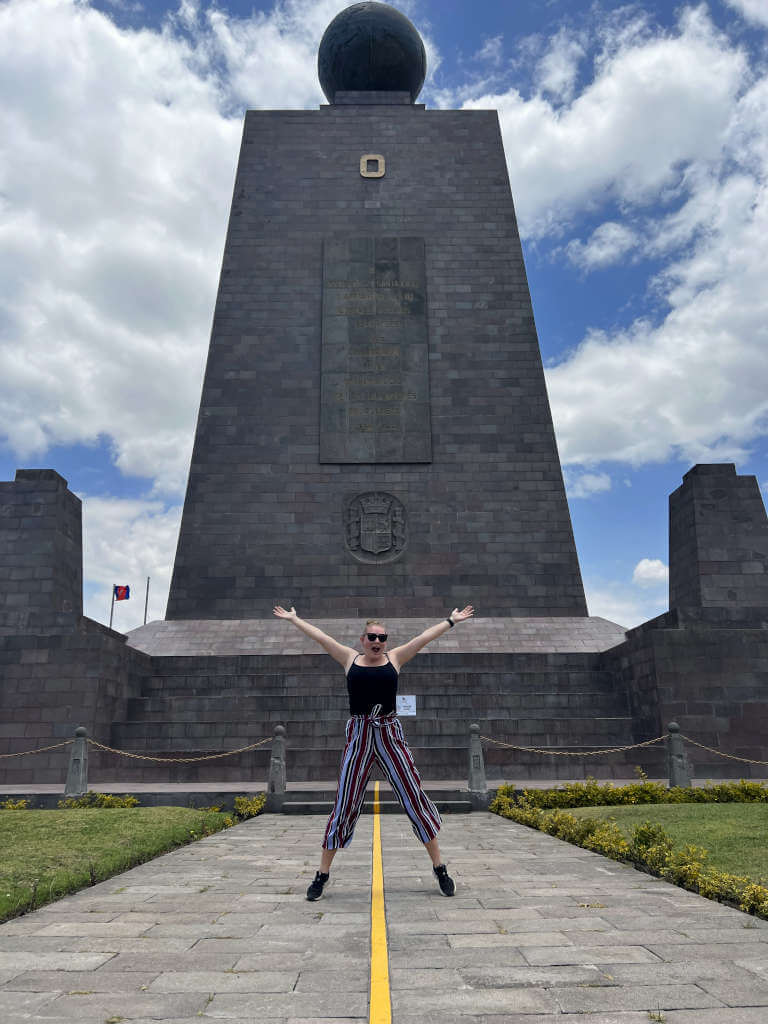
(400, 655)
(336, 650)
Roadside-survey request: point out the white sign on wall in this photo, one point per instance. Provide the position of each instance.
(406, 705)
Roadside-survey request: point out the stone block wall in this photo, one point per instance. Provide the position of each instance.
(718, 540)
(485, 518)
(58, 669)
(41, 574)
(50, 684)
(708, 671)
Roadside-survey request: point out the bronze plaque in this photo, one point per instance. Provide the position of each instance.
(374, 388)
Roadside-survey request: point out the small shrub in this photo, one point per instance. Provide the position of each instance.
(249, 806)
(647, 837)
(94, 799)
(609, 840)
(753, 899)
(14, 805)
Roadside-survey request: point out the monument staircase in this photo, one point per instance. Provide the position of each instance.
(190, 705)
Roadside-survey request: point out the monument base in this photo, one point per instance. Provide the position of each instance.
(187, 688)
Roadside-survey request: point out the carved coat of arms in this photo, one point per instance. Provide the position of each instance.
(375, 527)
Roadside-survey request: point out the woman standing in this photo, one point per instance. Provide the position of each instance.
(374, 733)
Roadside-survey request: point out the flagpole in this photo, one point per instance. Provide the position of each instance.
(146, 602)
(112, 606)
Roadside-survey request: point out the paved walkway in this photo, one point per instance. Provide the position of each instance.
(539, 930)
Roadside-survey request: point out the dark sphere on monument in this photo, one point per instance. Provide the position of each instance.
(371, 47)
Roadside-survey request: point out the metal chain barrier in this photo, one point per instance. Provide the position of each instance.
(177, 760)
(39, 750)
(712, 750)
(576, 753)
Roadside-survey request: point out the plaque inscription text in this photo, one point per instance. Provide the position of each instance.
(374, 391)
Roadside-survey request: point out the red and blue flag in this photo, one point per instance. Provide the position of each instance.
(122, 593)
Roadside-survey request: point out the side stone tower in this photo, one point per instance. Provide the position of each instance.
(41, 564)
(374, 434)
(718, 540)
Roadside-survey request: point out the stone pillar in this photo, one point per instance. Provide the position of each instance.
(478, 786)
(276, 781)
(41, 567)
(77, 773)
(718, 541)
(677, 760)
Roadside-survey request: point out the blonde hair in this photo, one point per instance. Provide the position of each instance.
(373, 622)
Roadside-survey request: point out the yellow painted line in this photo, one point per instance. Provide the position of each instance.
(380, 1004)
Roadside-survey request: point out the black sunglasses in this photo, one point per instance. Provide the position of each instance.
(381, 637)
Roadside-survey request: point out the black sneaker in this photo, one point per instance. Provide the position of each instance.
(444, 880)
(315, 891)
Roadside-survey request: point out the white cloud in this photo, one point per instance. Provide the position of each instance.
(117, 153)
(753, 10)
(650, 572)
(116, 163)
(124, 541)
(620, 603)
(693, 384)
(490, 51)
(654, 104)
(558, 68)
(607, 244)
(584, 485)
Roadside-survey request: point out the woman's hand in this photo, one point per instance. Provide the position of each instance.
(281, 613)
(465, 613)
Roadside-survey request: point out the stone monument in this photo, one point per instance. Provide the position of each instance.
(374, 439)
(374, 435)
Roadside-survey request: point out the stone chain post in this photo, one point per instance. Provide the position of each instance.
(478, 786)
(677, 760)
(77, 773)
(276, 782)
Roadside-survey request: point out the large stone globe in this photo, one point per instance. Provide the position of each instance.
(369, 47)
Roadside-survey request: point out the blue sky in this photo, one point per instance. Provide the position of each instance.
(638, 155)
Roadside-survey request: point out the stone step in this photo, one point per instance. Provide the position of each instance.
(327, 793)
(553, 731)
(429, 661)
(294, 806)
(297, 707)
(577, 681)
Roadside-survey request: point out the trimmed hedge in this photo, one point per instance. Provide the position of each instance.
(649, 846)
(94, 799)
(592, 793)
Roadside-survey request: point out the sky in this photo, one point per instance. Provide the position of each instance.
(636, 136)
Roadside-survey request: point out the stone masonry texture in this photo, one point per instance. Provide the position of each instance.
(191, 687)
(487, 518)
(718, 540)
(41, 564)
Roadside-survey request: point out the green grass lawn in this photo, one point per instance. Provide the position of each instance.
(735, 835)
(46, 854)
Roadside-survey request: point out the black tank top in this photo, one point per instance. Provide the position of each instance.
(369, 685)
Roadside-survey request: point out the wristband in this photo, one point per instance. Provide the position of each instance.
(450, 622)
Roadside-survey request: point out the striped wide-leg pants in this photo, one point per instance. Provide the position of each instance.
(378, 738)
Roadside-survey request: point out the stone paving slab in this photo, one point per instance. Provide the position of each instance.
(539, 932)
